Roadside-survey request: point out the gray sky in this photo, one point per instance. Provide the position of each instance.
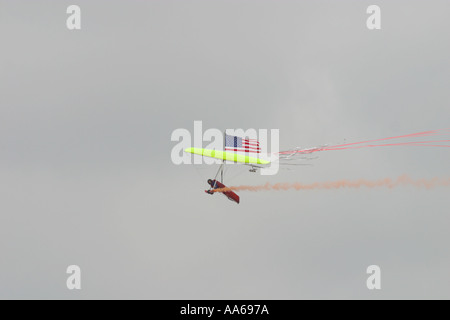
(86, 176)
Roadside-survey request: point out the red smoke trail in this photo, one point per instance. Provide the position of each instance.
(417, 143)
(364, 144)
(412, 135)
(345, 184)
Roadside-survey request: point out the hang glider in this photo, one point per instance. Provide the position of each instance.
(237, 150)
(232, 145)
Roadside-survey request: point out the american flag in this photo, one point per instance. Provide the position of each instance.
(233, 143)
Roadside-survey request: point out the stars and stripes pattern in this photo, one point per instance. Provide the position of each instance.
(237, 144)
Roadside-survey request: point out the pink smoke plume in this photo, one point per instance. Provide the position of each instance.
(403, 180)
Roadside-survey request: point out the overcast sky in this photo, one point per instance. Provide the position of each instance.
(86, 176)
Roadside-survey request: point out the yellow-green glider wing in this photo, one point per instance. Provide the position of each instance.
(226, 156)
